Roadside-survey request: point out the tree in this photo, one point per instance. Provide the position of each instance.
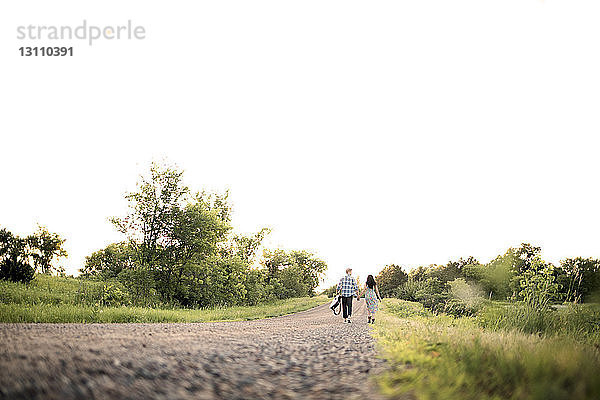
(216, 281)
(311, 269)
(494, 278)
(180, 246)
(295, 273)
(330, 291)
(46, 247)
(15, 255)
(451, 271)
(110, 261)
(168, 229)
(274, 261)
(418, 274)
(246, 247)
(512, 265)
(154, 208)
(257, 289)
(390, 277)
(538, 286)
(579, 277)
(198, 232)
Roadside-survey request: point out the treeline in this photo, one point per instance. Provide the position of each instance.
(519, 275)
(22, 257)
(179, 249)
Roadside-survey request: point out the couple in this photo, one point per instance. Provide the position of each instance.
(347, 288)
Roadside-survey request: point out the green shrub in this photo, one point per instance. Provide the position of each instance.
(459, 308)
(16, 271)
(113, 295)
(465, 299)
(390, 278)
(257, 289)
(579, 279)
(139, 282)
(330, 291)
(457, 297)
(15, 256)
(431, 292)
(408, 290)
(538, 286)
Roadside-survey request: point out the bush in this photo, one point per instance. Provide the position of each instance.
(16, 271)
(139, 282)
(15, 254)
(408, 290)
(113, 295)
(294, 273)
(390, 278)
(538, 286)
(432, 293)
(330, 291)
(458, 308)
(257, 290)
(289, 285)
(457, 298)
(579, 278)
(46, 289)
(466, 299)
(109, 262)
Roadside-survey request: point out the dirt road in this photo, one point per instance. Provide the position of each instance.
(308, 355)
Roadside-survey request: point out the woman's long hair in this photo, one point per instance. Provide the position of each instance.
(370, 282)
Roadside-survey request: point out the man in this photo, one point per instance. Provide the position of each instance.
(347, 288)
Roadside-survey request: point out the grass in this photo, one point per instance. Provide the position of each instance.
(65, 300)
(580, 322)
(88, 314)
(46, 289)
(442, 357)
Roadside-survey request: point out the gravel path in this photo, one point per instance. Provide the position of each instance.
(308, 355)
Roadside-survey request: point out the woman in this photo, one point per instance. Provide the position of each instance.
(372, 297)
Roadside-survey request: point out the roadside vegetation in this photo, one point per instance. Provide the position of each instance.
(440, 356)
(179, 251)
(531, 289)
(63, 299)
(517, 327)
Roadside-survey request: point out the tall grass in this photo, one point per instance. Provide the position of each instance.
(577, 321)
(59, 299)
(441, 357)
(88, 314)
(45, 289)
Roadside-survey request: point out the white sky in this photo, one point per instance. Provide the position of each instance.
(411, 132)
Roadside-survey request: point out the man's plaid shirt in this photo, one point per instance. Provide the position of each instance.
(347, 286)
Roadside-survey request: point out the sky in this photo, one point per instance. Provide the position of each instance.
(407, 132)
